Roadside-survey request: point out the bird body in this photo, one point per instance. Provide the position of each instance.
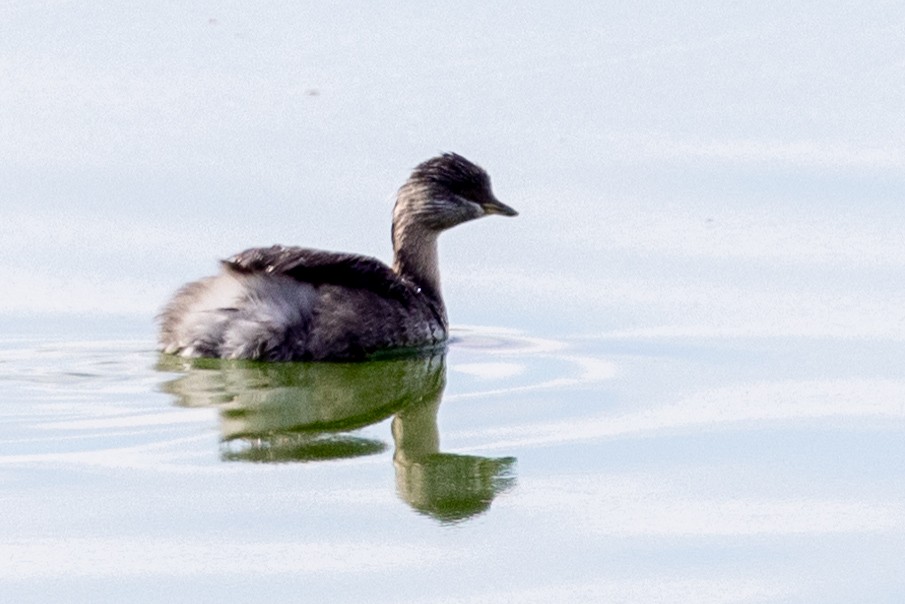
(297, 304)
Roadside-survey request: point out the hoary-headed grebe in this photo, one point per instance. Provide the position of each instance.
(297, 304)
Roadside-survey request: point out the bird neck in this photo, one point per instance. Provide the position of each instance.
(415, 256)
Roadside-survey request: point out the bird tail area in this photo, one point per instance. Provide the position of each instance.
(238, 316)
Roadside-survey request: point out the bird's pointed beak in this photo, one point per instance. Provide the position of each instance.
(495, 206)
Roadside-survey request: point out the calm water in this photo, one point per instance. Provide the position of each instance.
(512, 469)
(688, 385)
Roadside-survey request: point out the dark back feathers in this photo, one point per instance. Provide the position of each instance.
(318, 267)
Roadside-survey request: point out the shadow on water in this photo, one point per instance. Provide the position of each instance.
(309, 412)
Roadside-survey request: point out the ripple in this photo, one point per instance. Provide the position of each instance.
(104, 402)
(518, 363)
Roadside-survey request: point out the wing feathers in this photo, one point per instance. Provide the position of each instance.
(319, 267)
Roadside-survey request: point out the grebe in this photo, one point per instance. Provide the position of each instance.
(297, 304)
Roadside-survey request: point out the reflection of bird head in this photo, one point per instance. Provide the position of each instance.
(452, 487)
(445, 486)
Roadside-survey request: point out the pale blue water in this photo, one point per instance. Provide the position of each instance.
(683, 375)
(572, 469)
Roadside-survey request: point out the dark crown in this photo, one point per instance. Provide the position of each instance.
(453, 172)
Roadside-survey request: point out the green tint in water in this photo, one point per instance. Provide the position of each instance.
(303, 412)
(705, 470)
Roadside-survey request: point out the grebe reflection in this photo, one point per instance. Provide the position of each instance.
(304, 412)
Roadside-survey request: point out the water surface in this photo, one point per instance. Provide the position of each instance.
(513, 468)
